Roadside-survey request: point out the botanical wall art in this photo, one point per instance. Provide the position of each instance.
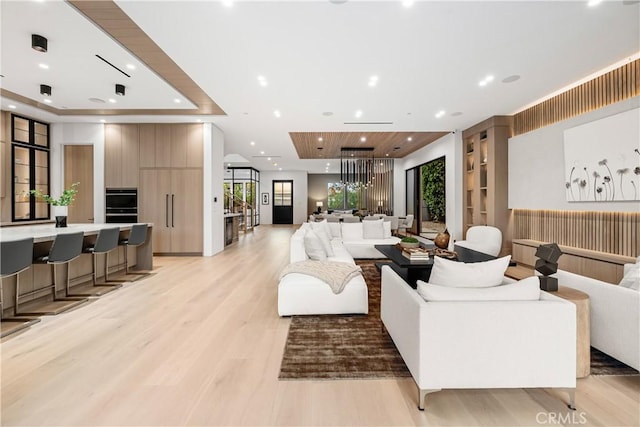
(602, 159)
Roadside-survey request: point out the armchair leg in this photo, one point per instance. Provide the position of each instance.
(572, 398)
(423, 395)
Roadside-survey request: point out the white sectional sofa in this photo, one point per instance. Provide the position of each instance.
(300, 294)
(481, 344)
(615, 316)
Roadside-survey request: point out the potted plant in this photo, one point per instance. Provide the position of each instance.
(61, 204)
(409, 242)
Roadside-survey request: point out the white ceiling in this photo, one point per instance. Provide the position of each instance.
(318, 57)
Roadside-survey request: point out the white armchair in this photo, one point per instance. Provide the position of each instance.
(406, 223)
(481, 344)
(483, 238)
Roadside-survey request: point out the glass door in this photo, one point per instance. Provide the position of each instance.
(30, 172)
(282, 202)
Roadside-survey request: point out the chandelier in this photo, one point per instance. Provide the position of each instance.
(357, 166)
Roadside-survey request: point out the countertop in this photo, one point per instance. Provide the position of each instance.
(47, 232)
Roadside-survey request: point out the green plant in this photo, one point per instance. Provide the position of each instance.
(66, 198)
(433, 185)
(409, 240)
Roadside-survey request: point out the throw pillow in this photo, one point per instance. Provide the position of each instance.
(322, 230)
(387, 229)
(351, 231)
(525, 290)
(373, 229)
(631, 280)
(313, 246)
(468, 275)
(335, 229)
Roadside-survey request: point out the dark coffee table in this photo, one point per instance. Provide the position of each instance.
(412, 271)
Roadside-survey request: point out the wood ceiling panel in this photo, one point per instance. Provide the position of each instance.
(385, 144)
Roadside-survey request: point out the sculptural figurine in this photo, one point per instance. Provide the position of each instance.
(442, 239)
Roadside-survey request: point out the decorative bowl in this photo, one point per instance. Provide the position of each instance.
(410, 245)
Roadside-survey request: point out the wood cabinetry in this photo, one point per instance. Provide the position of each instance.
(485, 180)
(171, 146)
(170, 192)
(172, 200)
(121, 156)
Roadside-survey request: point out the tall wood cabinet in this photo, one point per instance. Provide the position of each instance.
(121, 156)
(170, 185)
(485, 180)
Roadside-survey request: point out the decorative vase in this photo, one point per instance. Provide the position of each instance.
(442, 239)
(61, 212)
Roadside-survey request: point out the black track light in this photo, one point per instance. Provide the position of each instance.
(119, 89)
(38, 43)
(45, 90)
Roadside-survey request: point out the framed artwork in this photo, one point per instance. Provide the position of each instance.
(602, 159)
(265, 198)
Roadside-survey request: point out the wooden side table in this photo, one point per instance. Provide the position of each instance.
(583, 336)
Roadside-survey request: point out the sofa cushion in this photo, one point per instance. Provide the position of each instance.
(386, 227)
(324, 233)
(631, 278)
(524, 290)
(335, 230)
(313, 246)
(372, 229)
(468, 275)
(351, 231)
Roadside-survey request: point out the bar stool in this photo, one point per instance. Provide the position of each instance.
(65, 248)
(137, 236)
(106, 241)
(16, 257)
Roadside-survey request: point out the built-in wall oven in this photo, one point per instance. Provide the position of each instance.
(121, 205)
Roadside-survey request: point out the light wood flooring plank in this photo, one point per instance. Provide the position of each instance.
(199, 342)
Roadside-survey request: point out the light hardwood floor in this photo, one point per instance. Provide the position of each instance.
(200, 343)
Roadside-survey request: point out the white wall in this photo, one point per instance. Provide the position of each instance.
(536, 166)
(449, 146)
(213, 173)
(79, 134)
(299, 194)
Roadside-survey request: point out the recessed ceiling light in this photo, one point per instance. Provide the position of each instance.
(177, 101)
(386, 155)
(229, 164)
(47, 101)
(43, 66)
(511, 79)
(111, 100)
(593, 3)
(97, 100)
(363, 138)
(252, 143)
(409, 139)
(277, 113)
(262, 80)
(486, 80)
(199, 120)
(407, 3)
(131, 66)
(440, 113)
(275, 164)
(269, 158)
(227, 3)
(373, 80)
(320, 139)
(103, 121)
(328, 164)
(13, 107)
(358, 114)
(262, 152)
(279, 169)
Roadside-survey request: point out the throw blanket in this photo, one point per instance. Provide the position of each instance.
(335, 274)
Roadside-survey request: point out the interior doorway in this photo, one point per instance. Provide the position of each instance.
(78, 167)
(426, 198)
(282, 202)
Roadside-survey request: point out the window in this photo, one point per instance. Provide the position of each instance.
(340, 196)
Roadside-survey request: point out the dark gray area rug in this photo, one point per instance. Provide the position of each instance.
(357, 347)
(603, 364)
(343, 346)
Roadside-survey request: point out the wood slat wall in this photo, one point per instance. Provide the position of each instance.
(614, 86)
(610, 232)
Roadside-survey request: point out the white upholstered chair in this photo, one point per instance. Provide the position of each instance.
(405, 224)
(483, 238)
